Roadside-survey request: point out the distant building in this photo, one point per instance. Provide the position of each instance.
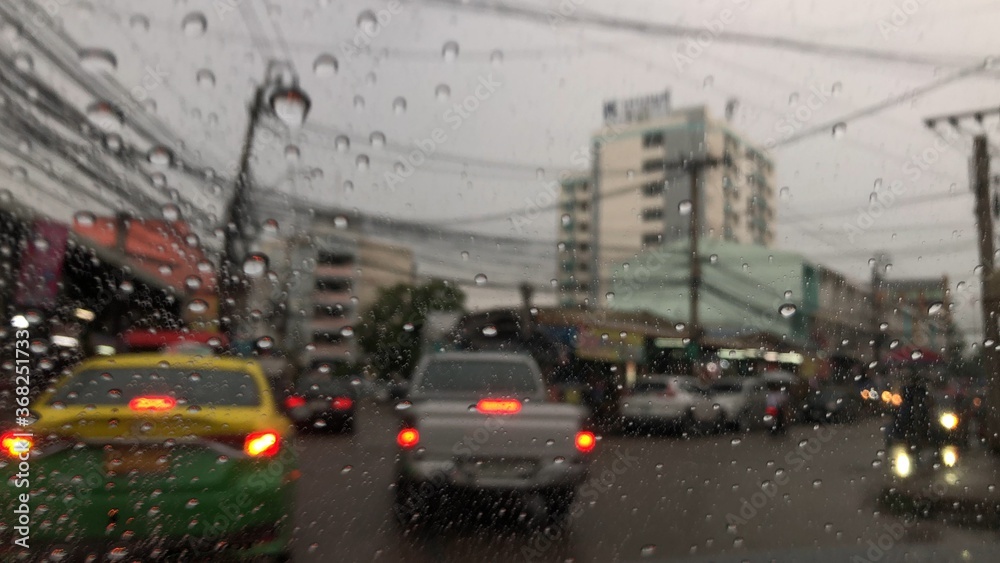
(932, 325)
(631, 200)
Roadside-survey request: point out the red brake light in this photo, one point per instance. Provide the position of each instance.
(14, 443)
(499, 406)
(294, 402)
(262, 444)
(585, 441)
(772, 411)
(341, 403)
(152, 403)
(408, 437)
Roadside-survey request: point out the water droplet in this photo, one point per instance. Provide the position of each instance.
(399, 105)
(788, 294)
(489, 330)
(408, 327)
(194, 24)
(647, 550)
(480, 279)
(160, 156)
(714, 258)
(255, 266)
(566, 219)
(139, 22)
(84, 218)
(292, 153)
(158, 179)
(340, 222)
(684, 207)
(817, 483)
(839, 130)
(346, 469)
(793, 98)
(347, 332)
(465, 255)
(377, 139)
(785, 194)
(449, 52)
(609, 295)
(192, 282)
(367, 22)
(198, 306)
(359, 102)
(205, 78)
(787, 310)
(342, 143)
(325, 65)
(442, 92)
(171, 212)
(113, 142)
(916, 355)
(935, 307)
(24, 62)
(105, 116)
(361, 162)
(191, 503)
(265, 343)
(496, 58)
(836, 89)
(97, 60)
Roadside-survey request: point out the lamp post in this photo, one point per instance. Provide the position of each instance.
(280, 96)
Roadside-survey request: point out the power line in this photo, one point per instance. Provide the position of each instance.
(657, 29)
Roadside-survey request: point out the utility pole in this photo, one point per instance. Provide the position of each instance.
(694, 289)
(984, 222)
(878, 315)
(278, 95)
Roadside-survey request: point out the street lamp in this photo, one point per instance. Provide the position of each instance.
(279, 95)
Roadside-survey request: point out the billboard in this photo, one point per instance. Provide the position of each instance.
(607, 344)
(42, 264)
(631, 110)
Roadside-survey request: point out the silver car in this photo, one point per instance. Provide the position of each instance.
(480, 423)
(678, 402)
(742, 400)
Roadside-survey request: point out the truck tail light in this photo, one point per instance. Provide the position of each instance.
(341, 403)
(408, 437)
(585, 441)
(295, 402)
(499, 406)
(262, 444)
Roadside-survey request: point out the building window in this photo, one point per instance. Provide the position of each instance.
(652, 239)
(584, 187)
(653, 139)
(583, 227)
(326, 337)
(584, 206)
(584, 247)
(334, 259)
(333, 284)
(583, 267)
(653, 189)
(652, 214)
(653, 165)
(333, 311)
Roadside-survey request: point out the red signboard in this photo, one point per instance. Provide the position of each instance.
(42, 264)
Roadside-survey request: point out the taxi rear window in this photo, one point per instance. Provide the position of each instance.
(192, 387)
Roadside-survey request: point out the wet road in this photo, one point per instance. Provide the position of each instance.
(650, 498)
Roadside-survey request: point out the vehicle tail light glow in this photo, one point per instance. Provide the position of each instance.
(342, 403)
(585, 441)
(152, 403)
(294, 402)
(669, 392)
(262, 444)
(771, 411)
(408, 437)
(15, 443)
(499, 406)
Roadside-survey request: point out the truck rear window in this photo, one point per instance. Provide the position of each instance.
(478, 377)
(193, 387)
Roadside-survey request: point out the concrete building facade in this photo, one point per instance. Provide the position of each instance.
(633, 199)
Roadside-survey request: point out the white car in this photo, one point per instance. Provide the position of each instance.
(678, 402)
(742, 400)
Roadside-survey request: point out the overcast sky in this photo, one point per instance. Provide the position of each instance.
(541, 87)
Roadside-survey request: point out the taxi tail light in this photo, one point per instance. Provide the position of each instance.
(294, 402)
(499, 406)
(266, 443)
(342, 403)
(585, 441)
(16, 443)
(408, 438)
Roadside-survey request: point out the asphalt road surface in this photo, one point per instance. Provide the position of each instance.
(650, 499)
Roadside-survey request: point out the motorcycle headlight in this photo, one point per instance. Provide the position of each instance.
(949, 420)
(901, 463)
(949, 455)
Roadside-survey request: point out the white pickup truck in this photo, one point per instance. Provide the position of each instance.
(479, 422)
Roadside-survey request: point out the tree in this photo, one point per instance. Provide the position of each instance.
(389, 331)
